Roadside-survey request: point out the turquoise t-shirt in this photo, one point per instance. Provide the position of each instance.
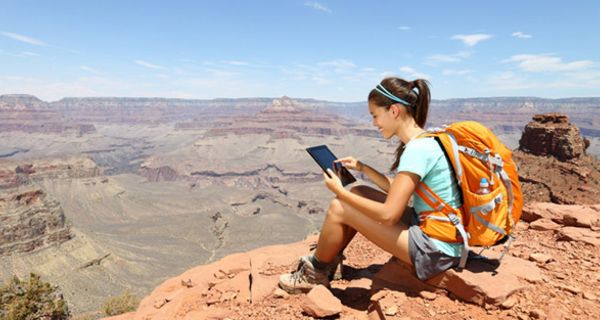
(425, 158)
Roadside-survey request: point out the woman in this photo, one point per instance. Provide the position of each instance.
(399, 108)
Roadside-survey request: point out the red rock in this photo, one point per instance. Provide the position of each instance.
(391, 310)
(585, 217)
(540, 257)
(395, 275)
(553, 135)
(266, 265)
(579, 234)
(280, 294)
(544, 225)
(428, 295)
(477, 284)
(210, 314)
(509, 303)
(320, 302)
(554, 314)
(567, 215)
(124, 316)
(589, 296)
(537, 314)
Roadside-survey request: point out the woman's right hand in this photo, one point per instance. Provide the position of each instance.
(350, 163)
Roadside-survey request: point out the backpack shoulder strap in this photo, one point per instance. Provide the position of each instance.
(438, 204)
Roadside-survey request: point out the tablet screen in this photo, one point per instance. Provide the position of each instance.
(324, 157)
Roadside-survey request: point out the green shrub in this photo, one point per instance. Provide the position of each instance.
(32, 299)
(126, 302)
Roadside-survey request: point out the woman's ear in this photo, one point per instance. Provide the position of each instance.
(395, 110)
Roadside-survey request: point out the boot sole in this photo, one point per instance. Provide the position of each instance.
(294, 290)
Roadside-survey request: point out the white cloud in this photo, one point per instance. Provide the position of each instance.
(237, 63)
(339, 65)
(471, 40)
(49, 89)
(22, 38)
(404, 28)
(89, 69)
(521, 35)
(149, 65)
(445, 58)
(452, 72)
(30, 54)
(411, 73)
(317, 6)
(442, 58)
(547, 63)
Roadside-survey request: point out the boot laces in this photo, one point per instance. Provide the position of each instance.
(298, 275)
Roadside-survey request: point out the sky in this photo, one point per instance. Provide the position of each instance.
(331, 50)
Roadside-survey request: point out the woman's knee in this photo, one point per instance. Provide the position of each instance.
(336, 209)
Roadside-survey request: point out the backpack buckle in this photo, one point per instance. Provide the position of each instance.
(454, 219)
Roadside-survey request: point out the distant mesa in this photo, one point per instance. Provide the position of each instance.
(21, 102)
(288, 118)
(27, 113)
(285, 105)
(552, 134)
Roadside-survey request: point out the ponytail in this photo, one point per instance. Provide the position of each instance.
(395, 90)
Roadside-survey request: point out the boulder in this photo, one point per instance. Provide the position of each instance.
(483, 283)
(320, 302)
(544, 225)
(566, 215)
(579, 234)
(552, 135)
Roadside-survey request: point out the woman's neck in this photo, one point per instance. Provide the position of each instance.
(409, 132)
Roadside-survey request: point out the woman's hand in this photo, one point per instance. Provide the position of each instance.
(350, 163)
(332, 182)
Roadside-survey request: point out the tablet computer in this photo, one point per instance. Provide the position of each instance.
(324, 157)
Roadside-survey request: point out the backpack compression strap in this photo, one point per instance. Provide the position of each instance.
(437, 204)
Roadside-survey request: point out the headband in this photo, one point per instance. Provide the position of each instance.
(381, 89)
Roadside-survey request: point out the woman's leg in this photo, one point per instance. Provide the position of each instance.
(343, 221)
(366, 192)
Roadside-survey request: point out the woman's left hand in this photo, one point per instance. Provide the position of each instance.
(333, 182)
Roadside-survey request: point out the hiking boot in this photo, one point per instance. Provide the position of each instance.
(337, 265)
(337, 272)
(304, 278)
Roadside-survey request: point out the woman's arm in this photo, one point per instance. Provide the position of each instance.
(389, 212)
(378, 178)
(382, 181)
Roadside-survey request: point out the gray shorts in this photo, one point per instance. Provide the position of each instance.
(425, 256)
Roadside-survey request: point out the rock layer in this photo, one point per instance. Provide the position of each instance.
(553, 135)
(31, 219)
(553, 166)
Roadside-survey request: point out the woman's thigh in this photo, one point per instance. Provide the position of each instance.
(393, 239)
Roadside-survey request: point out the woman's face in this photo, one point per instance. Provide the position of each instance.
(383, 119)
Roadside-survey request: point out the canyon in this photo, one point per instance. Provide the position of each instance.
(124, 193)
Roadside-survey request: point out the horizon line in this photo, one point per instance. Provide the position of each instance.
(279, 97)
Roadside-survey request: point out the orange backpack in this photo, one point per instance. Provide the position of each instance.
(484, 219)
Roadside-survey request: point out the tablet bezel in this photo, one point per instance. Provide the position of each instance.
(345, 176)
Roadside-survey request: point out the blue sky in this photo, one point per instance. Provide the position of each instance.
(332, 50)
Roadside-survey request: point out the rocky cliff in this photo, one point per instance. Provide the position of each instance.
(552, 135)
(283, 118)
(30, 114)
(552, 272)
(553, 164)
(31, 219)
